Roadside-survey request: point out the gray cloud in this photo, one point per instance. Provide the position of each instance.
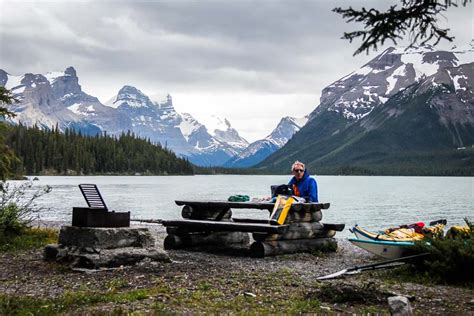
(208, 47)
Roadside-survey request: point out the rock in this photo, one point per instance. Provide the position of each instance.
(50, 252)
(35, 179)
(399, 306)
(94, 248)
(105, 238)
(86, 258)
(117, 257)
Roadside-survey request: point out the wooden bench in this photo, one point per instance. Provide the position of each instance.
(97, 213)
(212, 222)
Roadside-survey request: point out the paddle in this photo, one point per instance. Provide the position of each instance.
(379, 265)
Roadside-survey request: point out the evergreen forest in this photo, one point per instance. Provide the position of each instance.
(53, 152)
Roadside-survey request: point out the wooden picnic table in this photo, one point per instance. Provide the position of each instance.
(211, 222)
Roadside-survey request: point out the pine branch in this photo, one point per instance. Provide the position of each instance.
(417, 18)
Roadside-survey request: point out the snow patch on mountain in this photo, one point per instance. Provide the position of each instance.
(13, 81)
(52, 76)
(188, 125)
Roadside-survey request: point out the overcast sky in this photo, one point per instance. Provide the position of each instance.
(252, 62)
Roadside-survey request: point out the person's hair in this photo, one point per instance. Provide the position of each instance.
(297, 163)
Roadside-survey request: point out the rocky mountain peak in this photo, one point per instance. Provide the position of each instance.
(131, 97)
(285, 129)
(65, 84)
(70, 71)
(357, 94)
(221, 129)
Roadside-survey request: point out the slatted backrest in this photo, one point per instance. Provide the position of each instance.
(92, 196)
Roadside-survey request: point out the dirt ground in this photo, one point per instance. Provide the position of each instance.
(227, 281)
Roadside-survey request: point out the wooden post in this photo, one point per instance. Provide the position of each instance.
(279, 247)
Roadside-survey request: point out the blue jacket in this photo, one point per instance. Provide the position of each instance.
(307, 187)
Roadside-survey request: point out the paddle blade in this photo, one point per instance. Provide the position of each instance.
(333, 275)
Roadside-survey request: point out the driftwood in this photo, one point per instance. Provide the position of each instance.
(197, 239)
(279, 247)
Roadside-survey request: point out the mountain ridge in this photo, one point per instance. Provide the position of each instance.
(387, 109)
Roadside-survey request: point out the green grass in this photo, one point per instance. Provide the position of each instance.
(275, 293)
(30, 238)
(13, 305)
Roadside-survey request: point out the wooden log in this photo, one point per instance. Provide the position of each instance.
(303, 216)
(204, 239)
(208, 226)
(296, 231)
(199, 213)
(279, 247)
(251, 205)
(335, 227)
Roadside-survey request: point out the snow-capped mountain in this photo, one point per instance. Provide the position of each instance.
(222, 131)
(57, 99)
(157, 121)
(261, 149)
(401, 107)
(357, 94)
(211, 149)
(38, 103)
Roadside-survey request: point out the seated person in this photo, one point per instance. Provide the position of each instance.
(303, 184)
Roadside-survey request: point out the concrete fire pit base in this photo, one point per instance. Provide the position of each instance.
(92, 248)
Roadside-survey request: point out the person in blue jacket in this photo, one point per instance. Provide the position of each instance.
(302, 183)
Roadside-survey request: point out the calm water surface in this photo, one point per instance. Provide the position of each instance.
(372, 202)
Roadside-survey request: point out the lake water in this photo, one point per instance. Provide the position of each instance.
(372, 202)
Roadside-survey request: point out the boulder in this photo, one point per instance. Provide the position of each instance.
(93, 248)
(105, 238)
(90, 258)
(399, 306)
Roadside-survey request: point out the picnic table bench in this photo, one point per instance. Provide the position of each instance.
(211, 222)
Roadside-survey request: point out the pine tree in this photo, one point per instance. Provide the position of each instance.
(7, 157)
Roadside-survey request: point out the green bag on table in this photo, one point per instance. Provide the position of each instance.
(238, 198)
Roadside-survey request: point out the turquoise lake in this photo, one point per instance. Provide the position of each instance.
(371, 202)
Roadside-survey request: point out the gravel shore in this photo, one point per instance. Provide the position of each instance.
(233, 275)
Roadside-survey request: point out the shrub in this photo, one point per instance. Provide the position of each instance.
(18, 208)
(450, 260)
